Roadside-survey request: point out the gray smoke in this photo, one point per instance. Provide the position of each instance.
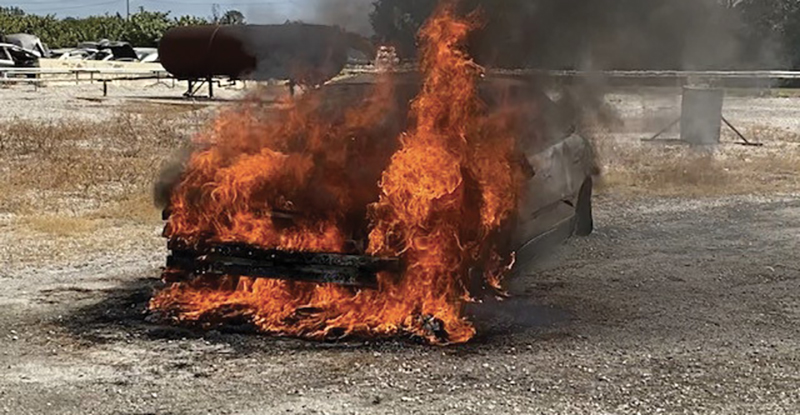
(351, 15)
(616, 34)
(594, 34)
(169, 177)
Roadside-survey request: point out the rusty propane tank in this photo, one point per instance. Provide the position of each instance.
(305, 53)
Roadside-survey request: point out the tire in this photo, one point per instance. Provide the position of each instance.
(584, 221)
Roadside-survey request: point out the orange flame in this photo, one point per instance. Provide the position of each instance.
(444, 195)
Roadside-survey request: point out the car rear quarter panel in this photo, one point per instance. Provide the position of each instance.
(550, 195)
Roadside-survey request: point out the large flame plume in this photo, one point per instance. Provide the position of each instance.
(444, 198)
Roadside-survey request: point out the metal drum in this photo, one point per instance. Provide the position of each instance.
(701, 115)
(307, 54)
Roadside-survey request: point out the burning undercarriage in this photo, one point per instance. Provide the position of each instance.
(331, 220)
(239, 260)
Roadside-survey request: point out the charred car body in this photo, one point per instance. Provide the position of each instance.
(558, 162)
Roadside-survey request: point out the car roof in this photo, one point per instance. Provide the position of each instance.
(557, 125)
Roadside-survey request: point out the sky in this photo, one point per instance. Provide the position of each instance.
(255, 11)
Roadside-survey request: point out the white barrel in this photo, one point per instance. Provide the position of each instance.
(701, 115)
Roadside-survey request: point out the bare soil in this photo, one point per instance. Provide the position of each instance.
(682, 301)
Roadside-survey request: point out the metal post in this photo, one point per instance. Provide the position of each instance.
(735, 130)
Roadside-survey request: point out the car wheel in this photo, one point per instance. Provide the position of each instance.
(584, 223)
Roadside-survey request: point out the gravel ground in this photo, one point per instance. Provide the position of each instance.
(85, 101)
(674, 305)
(658, 107)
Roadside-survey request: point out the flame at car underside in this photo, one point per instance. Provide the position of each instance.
(443, 198)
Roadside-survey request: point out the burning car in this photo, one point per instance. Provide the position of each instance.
(375, 205)
(558, 163)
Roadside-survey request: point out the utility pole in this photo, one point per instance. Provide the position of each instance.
(128, 4)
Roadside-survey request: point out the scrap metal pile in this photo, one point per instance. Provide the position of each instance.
(23, 50)
(105, 50)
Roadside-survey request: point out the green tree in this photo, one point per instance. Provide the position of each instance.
(12, 11)
(190, 21)
(144, 28)
(772, 30)
(397, 22)
(232, 17)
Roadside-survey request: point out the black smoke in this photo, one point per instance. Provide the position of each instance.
(594, 34)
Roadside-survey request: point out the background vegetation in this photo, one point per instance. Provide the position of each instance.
(144, 28)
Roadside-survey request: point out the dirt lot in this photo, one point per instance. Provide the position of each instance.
(684, 300)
